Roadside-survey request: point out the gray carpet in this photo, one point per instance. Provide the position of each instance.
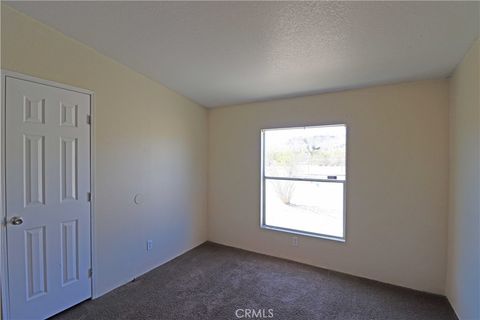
(213, 281)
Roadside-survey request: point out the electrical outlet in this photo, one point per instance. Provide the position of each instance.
(149, 245)
(295, 241)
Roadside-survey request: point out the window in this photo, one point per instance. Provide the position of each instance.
(303, 180)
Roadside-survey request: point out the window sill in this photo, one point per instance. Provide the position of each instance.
(303, 233)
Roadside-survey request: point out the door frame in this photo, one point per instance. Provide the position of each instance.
(4, 285)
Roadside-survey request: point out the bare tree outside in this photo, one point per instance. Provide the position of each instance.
(284, 190)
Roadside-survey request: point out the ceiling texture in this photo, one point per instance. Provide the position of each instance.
(225, 53)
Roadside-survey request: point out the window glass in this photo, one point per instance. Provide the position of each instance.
(312, 152)
(303, 182)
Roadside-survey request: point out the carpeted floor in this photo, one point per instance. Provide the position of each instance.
(214, 281)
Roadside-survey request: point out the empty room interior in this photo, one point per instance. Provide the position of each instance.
(240, 160)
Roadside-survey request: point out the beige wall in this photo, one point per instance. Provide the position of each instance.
(463, 276)
(149, 140)
(397, 181)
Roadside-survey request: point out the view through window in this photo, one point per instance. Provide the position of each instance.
(303, 180)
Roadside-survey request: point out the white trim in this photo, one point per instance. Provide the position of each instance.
(303, 233)
(21, 76)
(3, 236)
(3, 246)
(263, 225)
(93, 259)
(305, 179)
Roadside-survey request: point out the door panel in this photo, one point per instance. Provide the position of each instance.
(47, 182)
(68, 150)
(69, 252)
(34, 170)
(36, 264)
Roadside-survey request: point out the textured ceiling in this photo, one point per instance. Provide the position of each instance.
(223, 53)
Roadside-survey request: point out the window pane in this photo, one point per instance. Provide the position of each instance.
(315, 207)
(312, 152)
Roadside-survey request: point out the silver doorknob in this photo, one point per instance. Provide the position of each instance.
(16, 221)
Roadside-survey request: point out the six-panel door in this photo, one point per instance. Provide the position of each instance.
(47, 205)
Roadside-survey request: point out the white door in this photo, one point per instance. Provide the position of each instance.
(47, 204)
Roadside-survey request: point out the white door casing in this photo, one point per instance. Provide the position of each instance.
(47, 155)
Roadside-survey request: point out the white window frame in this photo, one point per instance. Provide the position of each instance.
(263, 179)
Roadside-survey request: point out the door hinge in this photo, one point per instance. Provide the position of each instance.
(89, 196)
(90, 272)
(89, 119)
